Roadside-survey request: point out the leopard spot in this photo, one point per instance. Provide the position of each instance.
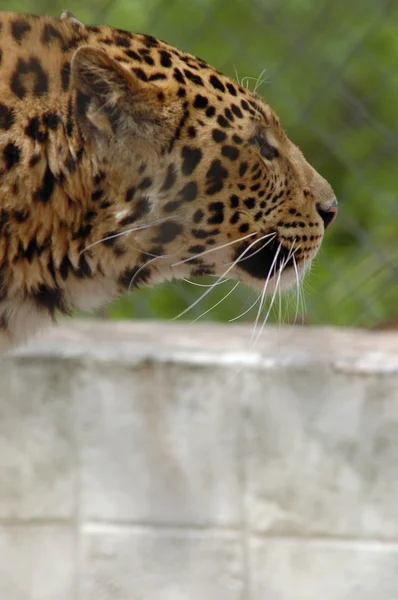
(191, 157)
(19, 29)
(28, 72)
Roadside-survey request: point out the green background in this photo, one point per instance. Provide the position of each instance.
(330, 70)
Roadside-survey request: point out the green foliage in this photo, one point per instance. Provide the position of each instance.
(330, 72)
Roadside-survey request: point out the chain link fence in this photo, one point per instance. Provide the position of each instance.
(329, 69)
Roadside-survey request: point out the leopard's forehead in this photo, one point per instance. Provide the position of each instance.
(154, 60)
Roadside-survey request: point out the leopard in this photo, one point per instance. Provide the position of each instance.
(125, 161)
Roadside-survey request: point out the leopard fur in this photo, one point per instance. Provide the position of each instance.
(124, 161)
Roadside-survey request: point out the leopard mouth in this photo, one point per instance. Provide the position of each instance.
(271, 259)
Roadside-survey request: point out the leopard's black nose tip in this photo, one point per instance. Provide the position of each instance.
(329, 214)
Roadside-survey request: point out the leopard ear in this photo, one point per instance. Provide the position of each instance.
(112, 101)
(67, 16)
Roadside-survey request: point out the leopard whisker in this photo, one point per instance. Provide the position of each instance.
(182, 313)
(294, 293)
(205, 285)
(263, 294)
(149, 262)
(280, 322)
(298, 290)
(217, 303)
(246, 311)
(277, 286)
(307, 270)
(291, 254)
(260, 80)
(125, 232)
(180, 262)
(273, 234)
(237, 76)
(265, 320)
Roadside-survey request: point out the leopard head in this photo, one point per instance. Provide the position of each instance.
(201, 176)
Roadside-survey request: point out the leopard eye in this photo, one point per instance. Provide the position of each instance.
(266, 150)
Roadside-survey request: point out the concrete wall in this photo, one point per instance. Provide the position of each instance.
(172, 462)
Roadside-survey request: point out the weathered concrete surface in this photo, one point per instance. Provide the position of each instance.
(175, 462)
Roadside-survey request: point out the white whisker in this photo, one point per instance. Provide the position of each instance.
(218, 280)
(272, 235)
(260, 80)
(307, 271)
(298, 290)
(236, 75)
(121, 233)
(180, 262)
(246, 311)
(264, 292)
(217, 303)
(205, 285)
(277, 285)
(279, 306)
(280, 270)
(140, 269)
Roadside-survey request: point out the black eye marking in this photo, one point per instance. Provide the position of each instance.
(266, 150)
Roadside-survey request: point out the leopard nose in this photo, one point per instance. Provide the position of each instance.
(329, 214)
